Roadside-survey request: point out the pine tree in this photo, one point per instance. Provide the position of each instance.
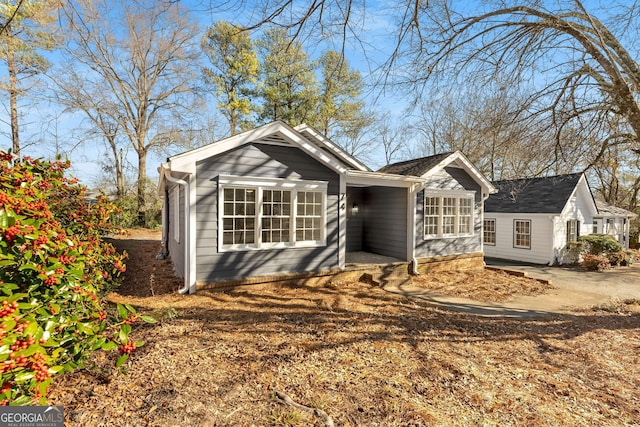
(27, 28)
(233, 73)
(289, 85)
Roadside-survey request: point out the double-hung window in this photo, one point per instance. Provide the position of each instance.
(448, 215)
(522, 234)
(259, 213)
(489, 231)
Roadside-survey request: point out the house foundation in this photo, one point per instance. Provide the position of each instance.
(376, 274)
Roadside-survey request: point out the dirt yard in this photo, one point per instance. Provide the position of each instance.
(363, 356)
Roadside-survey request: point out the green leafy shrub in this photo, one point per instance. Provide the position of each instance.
(54, 273)
(575, 250)
(595, 262)
(630, 257)
(617, 258)
(598, 244)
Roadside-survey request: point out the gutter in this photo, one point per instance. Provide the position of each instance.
(167, 174)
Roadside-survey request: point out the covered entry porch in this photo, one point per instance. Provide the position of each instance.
(380, 218)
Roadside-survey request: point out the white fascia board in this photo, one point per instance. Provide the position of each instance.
(381, 179)
(331, 146)
(469, 167)
(186, 162)
(254, 181)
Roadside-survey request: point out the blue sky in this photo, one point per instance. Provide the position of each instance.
(43, 124)
(46, 129)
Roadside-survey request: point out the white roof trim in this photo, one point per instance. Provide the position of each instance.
(365, 178)
(331, 146)
(471, 169)
(186, 162)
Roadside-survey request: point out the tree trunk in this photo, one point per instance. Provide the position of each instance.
(13, 93)
(142, 178)
(119, 174)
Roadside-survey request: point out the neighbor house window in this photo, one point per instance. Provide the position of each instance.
(271, 213)
(573, 230)
(522, 234)
(489, 231)
(448, 215)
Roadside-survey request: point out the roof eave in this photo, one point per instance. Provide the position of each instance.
(367, 178)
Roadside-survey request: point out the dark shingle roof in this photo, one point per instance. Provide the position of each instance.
(415, 167)
(532, 195)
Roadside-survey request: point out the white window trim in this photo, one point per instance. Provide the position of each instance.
(448, 193)
(258, 184)
(176, 213)
(495, 237)
(514, 233)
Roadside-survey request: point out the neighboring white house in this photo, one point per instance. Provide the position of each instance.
(531, 220)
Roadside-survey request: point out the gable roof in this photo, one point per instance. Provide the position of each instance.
(278, 133)
(533, 195)
(415, 167)
(607, 210)
(423, 167)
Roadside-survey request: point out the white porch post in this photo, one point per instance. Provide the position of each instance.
(342, 222)
(412, 191)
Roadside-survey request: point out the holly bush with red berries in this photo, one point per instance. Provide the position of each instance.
(55, 270)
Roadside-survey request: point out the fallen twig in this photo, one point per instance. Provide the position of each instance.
(328, 422)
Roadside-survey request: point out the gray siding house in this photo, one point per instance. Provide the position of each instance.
(278, 199)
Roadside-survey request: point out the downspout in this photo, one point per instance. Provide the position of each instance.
(167, 174)
(412, 192)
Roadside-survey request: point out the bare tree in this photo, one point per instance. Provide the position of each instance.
(134, 78)
(580, 63)
(584, 74)
(391, 136)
